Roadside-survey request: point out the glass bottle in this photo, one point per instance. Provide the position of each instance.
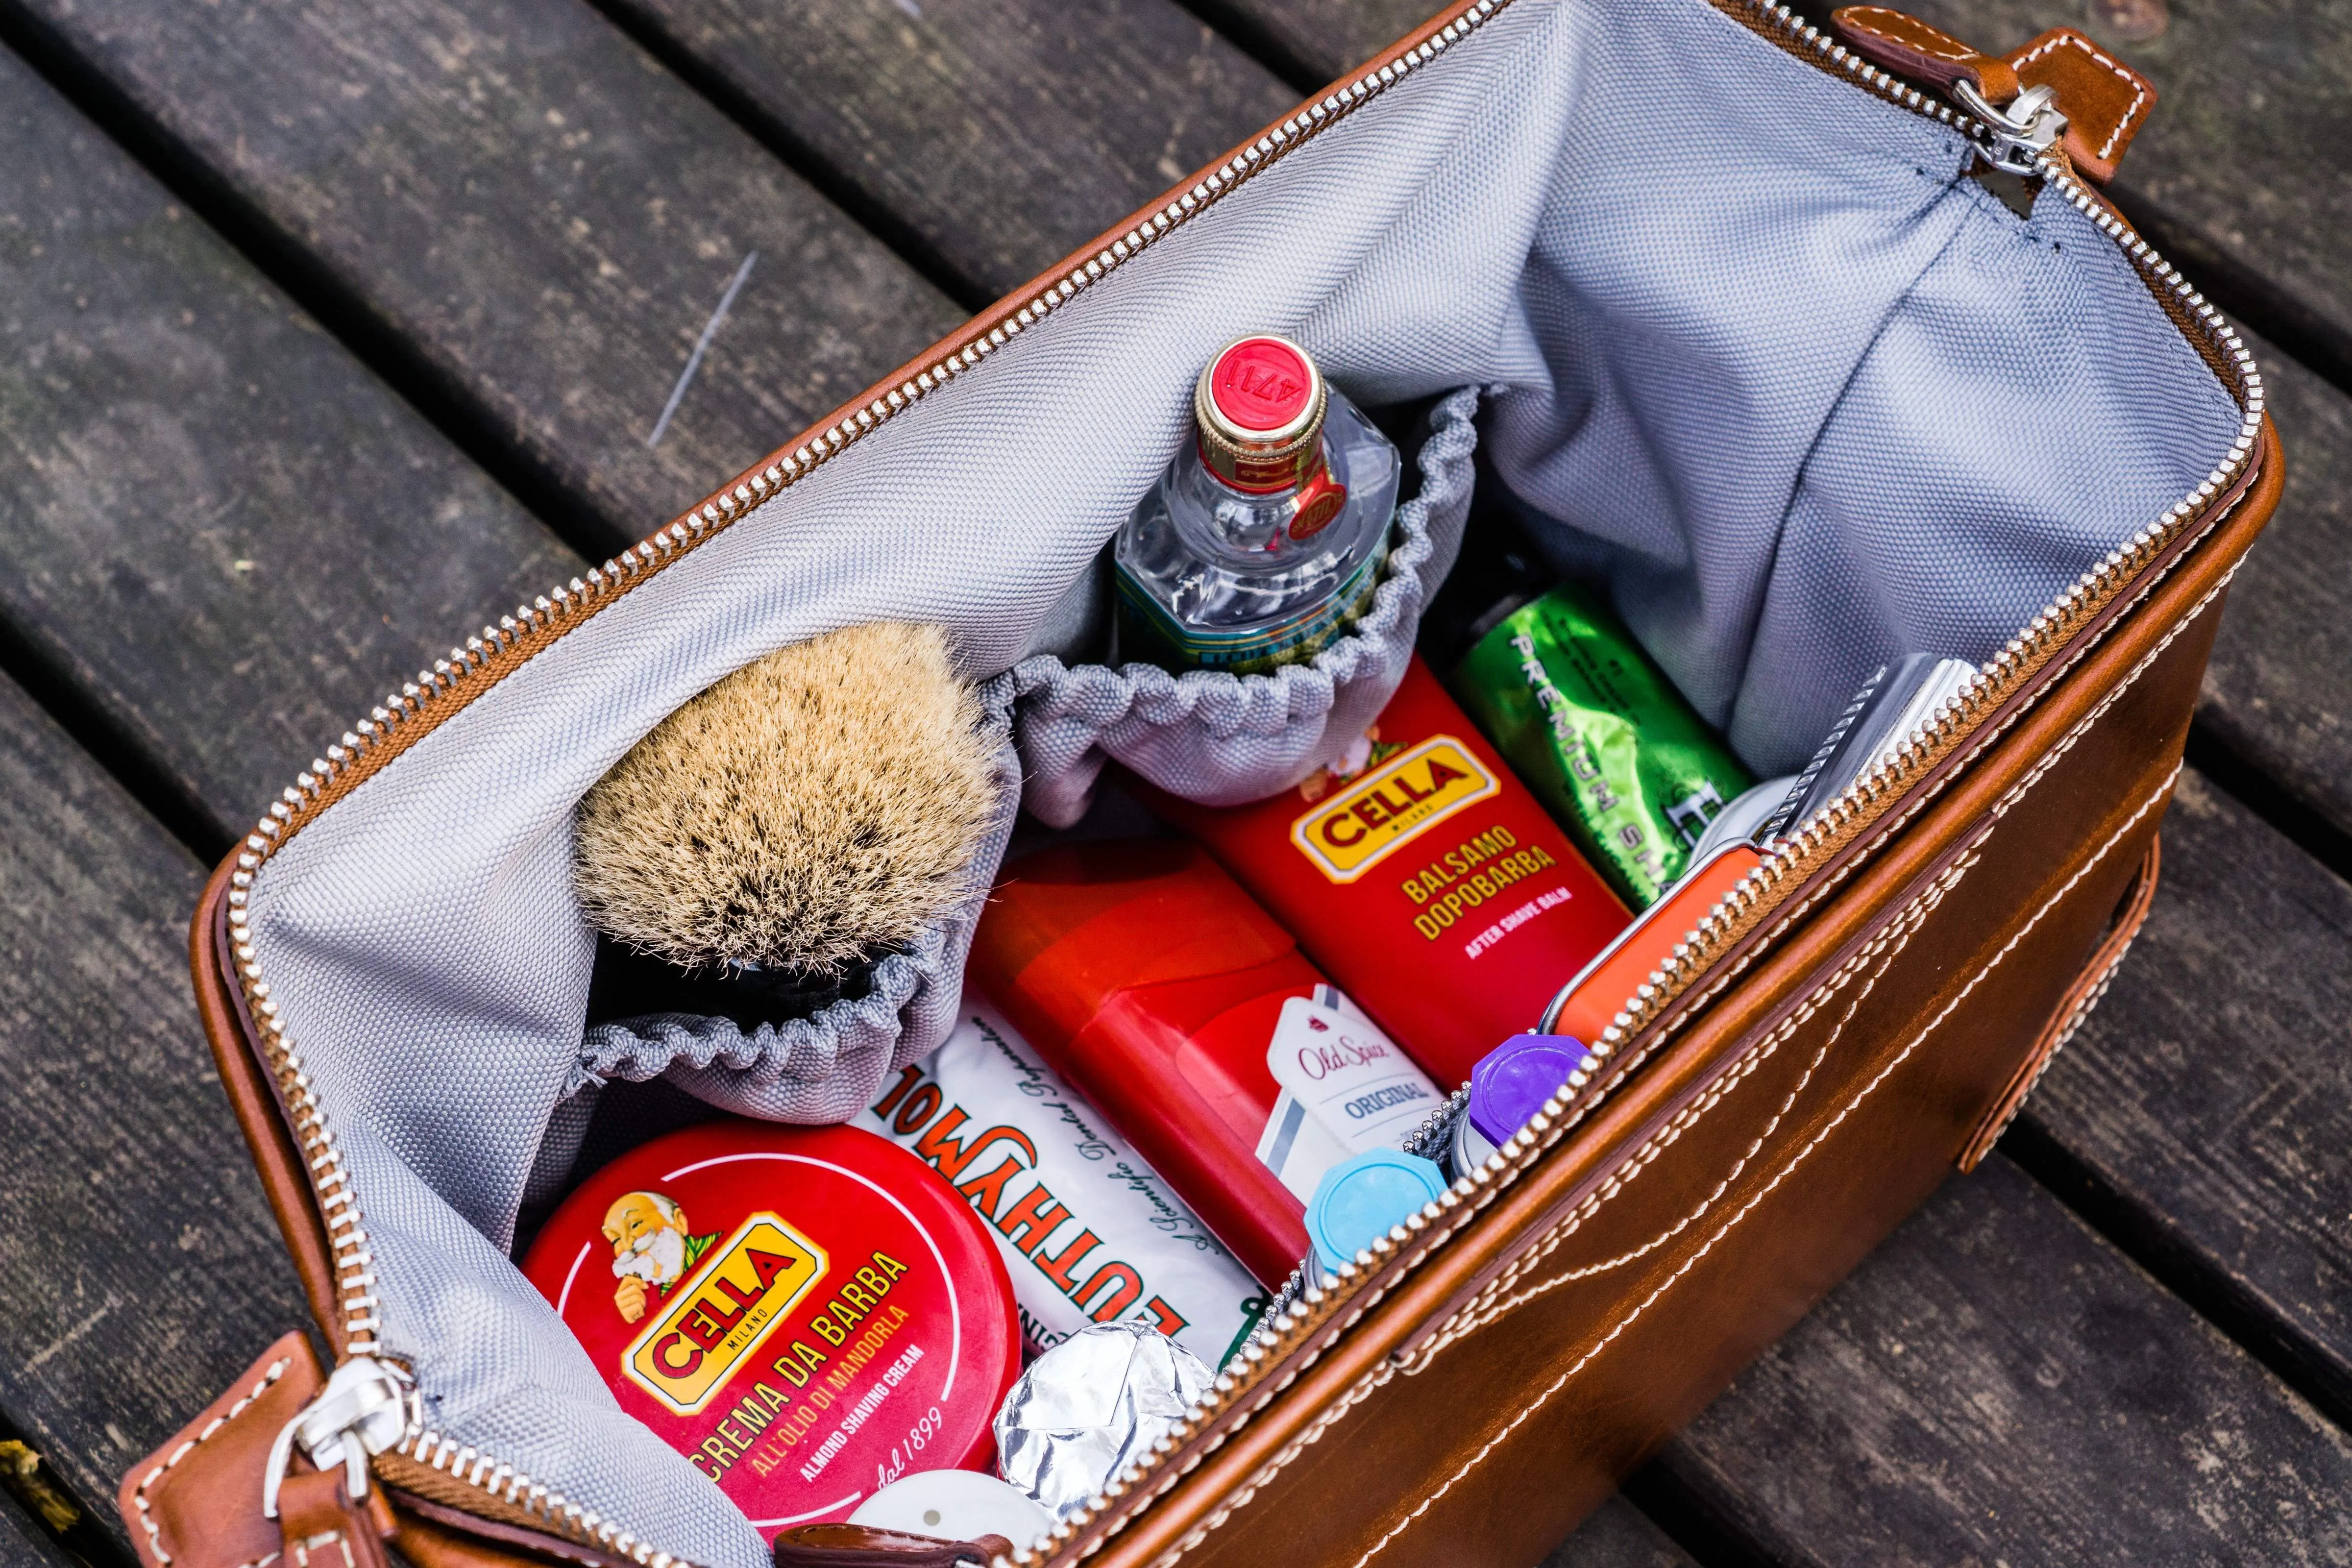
(1263, 541)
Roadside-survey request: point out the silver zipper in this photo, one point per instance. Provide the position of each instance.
(362, 1411)
(2017, 134)
(420, 704)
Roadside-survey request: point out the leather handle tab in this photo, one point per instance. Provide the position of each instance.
(1908, 46)
(195, 1503)
(2104, 101)
(2072, 1009)
(864, 1546)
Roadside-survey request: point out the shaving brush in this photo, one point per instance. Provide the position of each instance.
(768, 843)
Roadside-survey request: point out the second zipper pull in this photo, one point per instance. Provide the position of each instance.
(2061, 91)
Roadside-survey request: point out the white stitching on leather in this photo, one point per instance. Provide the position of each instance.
(1884, 827)
(1950, 879)
(1998, 809)
(2018, 791)
(2075, 1022)
(1783, 917)
(1854, 20)
(303, 1548)
(1472, 1316)
(270, 1374)
(2130, 80)
(1364, 1385)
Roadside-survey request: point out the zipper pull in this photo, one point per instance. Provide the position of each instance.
(362, 1411)
(2019, 123)
(2062, 90)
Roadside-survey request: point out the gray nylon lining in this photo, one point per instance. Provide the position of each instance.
(1808, 398)
(1225, 740)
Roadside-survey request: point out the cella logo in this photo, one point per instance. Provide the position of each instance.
(1389, 807)
(721, 1314)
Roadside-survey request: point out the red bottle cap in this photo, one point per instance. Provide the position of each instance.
(1259, 406)
(1263, 386)
(806, 1313)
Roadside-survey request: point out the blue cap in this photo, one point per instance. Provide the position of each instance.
(1364, 1197)
(1511, 1082)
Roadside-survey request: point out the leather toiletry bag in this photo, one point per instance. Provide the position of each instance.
(1818, 347)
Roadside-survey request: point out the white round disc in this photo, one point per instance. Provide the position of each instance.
(955, 1505)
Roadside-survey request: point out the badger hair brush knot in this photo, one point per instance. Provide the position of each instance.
(809, 813)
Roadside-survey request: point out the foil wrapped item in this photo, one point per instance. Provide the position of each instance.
(1091, 1406)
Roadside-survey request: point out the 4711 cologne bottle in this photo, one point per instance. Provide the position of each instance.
(1263, 541)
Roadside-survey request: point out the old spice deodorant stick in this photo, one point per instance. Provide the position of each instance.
(1425, 878)
(1167, 997)
(806, 1313)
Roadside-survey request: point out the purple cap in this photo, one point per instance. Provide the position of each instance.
(1511, 1082)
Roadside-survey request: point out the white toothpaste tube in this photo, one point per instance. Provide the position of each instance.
(1089, 1232)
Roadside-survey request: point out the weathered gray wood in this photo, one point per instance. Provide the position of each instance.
(988, 136)
(1312, 41)
(222, 534)
(2279, 690)
(139, 1265)
(517, 198)
(1998, 1384)
(2240, 166)
(1618, 1536)
(2208, 1100)
(23, 1544)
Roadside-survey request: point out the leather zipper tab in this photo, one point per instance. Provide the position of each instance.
(1908, 46)
(865, 1546)
(324, 1527)
(2105, 100)
(2062, 90)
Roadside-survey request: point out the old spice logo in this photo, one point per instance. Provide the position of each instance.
(1317, 1025)
(1319, 1061)
(721, 1313)
(1387, 808)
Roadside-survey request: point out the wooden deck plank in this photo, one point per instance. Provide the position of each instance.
(1998, 1384)
(519, 200)
(139, 1264)
(23, 1544)
(1312, 41)
(2207, 1103)
(2235, 173)
(987, 136)
(2279, 690)
(216, 528)
(1618, 1535)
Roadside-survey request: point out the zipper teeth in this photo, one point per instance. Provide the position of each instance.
(407, 715)
(1299, 1315)
(419, 706)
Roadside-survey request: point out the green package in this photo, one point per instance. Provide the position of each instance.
(1601, 736)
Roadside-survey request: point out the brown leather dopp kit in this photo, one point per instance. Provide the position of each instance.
(1470, 1402)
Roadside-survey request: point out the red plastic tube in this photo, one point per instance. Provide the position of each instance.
(1152, 982)
(1425, 880)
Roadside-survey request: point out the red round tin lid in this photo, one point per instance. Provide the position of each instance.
(806, 1313)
